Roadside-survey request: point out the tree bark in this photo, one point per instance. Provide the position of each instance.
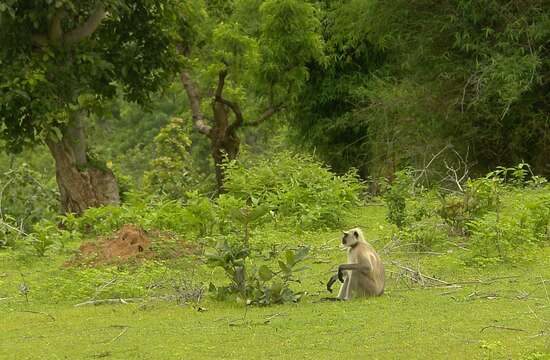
(225, 142)
(81, 185)
(223, 136)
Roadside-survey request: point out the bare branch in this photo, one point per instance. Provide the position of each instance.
(88, 28)
(265, 115)
(40, 40)
(425, 169)
(236, 110)
(221, 83)
(55, 33)
(195, 102)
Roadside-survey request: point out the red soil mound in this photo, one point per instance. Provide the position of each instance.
(131, 243)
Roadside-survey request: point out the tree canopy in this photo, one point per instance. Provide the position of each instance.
(59, 56)
(407, 79)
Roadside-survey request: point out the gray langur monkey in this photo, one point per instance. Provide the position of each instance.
(363, 274)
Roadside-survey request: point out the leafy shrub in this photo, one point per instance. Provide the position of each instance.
(425, 234)
(484, 194)
(261, 285)
(47, 235)
(200, 214)
(9, 231)
(395, 195)
(148, 213)
(500, 217)
(299, 190)
(519, 175)
(508, 234)
(26, 196)
(480, 196)
(173, 171)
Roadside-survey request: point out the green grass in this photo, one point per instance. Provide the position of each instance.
(507, 316)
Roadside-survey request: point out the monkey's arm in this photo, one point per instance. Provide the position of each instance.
(354, 267)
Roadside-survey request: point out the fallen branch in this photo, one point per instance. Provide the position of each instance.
(543, 282)
(416, 274)
(126, 301)
(500, 327)
(38, 312)
(484, 282)
(119, 335)
(479, 295)
(540, 333)
(110, 301)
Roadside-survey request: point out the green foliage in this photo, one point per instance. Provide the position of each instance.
(290, 190)
(483, 195)
(173, 171)
(405, 79)
(425, 235)
(479, 197)
(289, 40)
(262, 285)
(508, 234)
(299, 190)
(200, 214)
(49, 71)
(110, 282)
(502, 217)
(395, 195)
(26, 195)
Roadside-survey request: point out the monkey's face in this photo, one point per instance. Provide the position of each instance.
(350, 238)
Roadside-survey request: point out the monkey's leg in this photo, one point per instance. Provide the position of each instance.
(344, 289)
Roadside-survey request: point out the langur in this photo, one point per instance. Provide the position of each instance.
(363, 274)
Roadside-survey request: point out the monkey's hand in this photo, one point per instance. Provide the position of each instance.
(340, 274)
(331, 282)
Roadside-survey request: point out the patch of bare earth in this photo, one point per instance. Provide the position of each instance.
(131, 243)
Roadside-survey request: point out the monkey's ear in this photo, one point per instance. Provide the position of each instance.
(356, 234)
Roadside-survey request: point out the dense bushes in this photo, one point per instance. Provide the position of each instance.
(26, 196)
(403, 79)
(286, 191)
(499, 218)
(300, 191)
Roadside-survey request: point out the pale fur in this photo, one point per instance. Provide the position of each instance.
(368, 280)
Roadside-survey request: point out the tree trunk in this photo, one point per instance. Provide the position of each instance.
(81, 185)
(226, 145)
(225, 142)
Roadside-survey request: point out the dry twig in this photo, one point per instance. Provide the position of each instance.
(110, 301)
(38, 312)
(499, 327)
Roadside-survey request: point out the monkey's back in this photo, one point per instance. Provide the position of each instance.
(365, 254)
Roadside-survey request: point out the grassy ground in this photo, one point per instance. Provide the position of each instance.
(494, 313)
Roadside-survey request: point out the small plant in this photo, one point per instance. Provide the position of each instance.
(47, 235)
(273, 287)
(395, 194)
(200, 214)
(509, 234)
(425, 234)
(26, 197)
(173, 172)
(231, 257)
(262, 285)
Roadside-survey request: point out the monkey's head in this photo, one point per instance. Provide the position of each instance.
(352, 237)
